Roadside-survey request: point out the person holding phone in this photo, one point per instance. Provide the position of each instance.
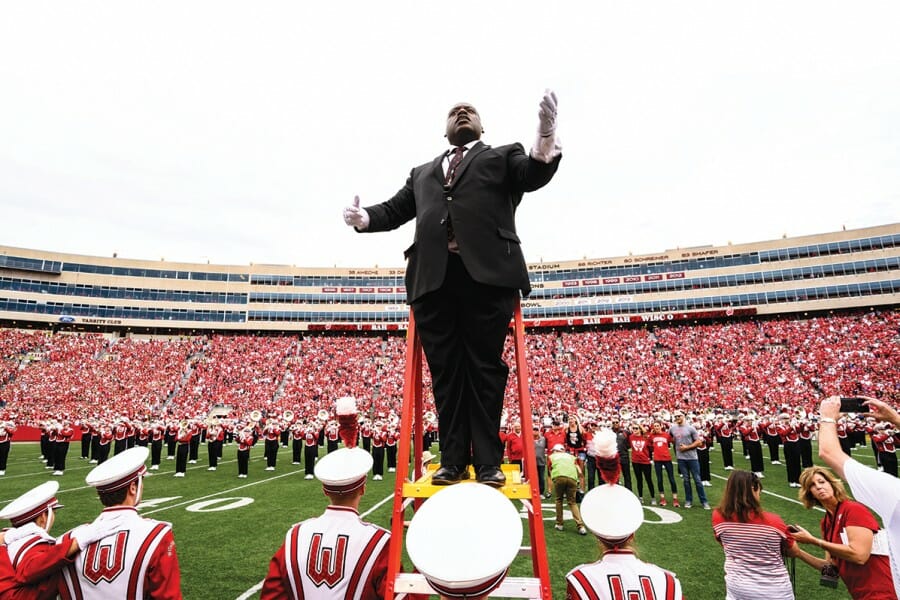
(877, 490)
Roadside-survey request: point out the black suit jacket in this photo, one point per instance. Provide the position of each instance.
(481, 201)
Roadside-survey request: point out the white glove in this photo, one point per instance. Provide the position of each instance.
(547, 114)
(355, 216)
(85, 535)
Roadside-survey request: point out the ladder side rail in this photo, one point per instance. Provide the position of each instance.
(536, 519)
(412, 398)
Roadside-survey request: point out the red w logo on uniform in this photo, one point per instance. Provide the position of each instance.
(326, 565)
(105, 560)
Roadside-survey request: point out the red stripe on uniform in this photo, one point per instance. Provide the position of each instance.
(670, 587)
(297, 588)
(139, 559)
(361, 564)
(586, 585)
(25, 548)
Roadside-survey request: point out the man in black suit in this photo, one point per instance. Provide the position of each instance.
(464, 273)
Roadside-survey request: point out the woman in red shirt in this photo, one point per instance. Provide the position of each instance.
(848, 531)
(662, 459)
(639, 442)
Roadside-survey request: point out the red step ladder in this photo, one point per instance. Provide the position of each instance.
(411, 492)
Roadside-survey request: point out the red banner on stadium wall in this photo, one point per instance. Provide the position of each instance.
(611, 280)
(679, 275)
(357, 326)
(384, 290)
(367, 290)
(591, 281)
(348, 290)
(656, 277)
(642, 318)
(632, 279)
(570, 284)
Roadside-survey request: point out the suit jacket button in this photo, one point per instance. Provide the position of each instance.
(449, 198)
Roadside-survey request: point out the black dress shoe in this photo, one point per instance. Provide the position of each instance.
(490, 475)
(449, 474)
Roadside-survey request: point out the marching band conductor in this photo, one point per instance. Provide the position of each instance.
(464, 273)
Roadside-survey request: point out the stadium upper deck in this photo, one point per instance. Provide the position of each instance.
(840, 270)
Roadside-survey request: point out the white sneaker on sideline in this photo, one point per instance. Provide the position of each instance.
(309, 476)
(377, 478)
(154, 467)
(729, 468)
(211, 469)
(270, 468)
(179, 474)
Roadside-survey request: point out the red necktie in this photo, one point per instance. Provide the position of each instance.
(448, 179)
(454, 163)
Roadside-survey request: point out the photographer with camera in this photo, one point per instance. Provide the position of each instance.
(877, 490)
(853, 551)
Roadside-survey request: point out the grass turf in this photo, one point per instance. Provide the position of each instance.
(224, 552)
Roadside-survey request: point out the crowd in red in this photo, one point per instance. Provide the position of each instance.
(761, 364)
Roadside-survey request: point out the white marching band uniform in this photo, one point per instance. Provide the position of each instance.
(347, 551)
(127, 564)
(620, 575)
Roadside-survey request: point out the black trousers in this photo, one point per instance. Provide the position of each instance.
(378, 460)
(773, 441)
(642, 472)
(297, 451)
(271, 452)
(243, 459)
(120, 446)
(726, 444)
(889, 462)
(85, 445)
(59, 456)
(310, 454)
(214, 451)
(756, 456)
(625, 462)
(391, 452)
(4, 454)
(703, 457)
(102, 453)
(155, 451)
(792, 461)
(463, 327)
(806, 453)
(195, 447)
(181, 457)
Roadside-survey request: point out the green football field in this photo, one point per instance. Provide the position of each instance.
(227, 529)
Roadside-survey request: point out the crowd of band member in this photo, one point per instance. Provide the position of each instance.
(180, 440)
(782, 435)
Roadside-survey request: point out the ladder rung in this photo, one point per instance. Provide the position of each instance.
(512, 587)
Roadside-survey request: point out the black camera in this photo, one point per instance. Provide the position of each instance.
(829, 577)
(853, 404)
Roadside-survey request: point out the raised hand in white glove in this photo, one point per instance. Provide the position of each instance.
(357, 217)
(547, 114)
(85, 535)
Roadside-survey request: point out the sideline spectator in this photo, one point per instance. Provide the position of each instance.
(754, 541)
(879, 491)
(564, 472)
(848, 531)
(687, 440)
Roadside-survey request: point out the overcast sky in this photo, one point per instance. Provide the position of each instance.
(236, 132)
